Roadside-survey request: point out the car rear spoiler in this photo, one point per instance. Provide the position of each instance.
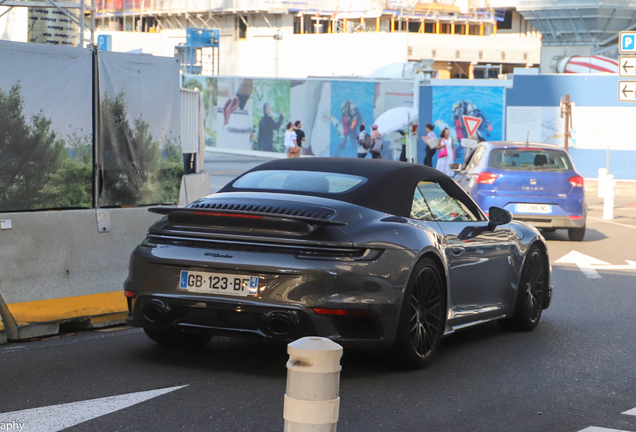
(185, 213)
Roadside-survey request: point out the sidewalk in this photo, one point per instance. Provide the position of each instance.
(624, 188)
(624, 209)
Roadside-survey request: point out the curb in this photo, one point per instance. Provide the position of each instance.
(46, 317)
(255, 153)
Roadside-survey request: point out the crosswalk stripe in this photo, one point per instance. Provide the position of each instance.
(631, 412)
(601, 429)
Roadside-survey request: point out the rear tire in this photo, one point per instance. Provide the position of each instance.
(531, 293)
(423, 316)
(177, 338)
(576, 234)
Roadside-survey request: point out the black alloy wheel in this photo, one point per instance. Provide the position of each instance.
(423, 316)
(531, 293)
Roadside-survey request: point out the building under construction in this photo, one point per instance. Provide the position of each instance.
(460, 38)
(330, 37)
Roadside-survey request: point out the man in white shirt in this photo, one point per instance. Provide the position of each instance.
(363, 139)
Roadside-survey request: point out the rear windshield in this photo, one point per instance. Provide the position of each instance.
(530, 160)
(299, 181)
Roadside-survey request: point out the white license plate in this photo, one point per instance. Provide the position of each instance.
(534, 208)
(218, 283)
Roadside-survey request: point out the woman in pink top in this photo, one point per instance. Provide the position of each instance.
(445, 145)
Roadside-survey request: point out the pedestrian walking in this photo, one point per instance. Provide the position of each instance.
(403, 142)
(291, 148)
(364, 143)
(446, 154)
(376, 143)
(431, 144)
(300, 135)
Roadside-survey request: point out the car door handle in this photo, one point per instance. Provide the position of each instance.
(457, 250)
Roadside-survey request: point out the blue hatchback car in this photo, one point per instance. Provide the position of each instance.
(537, 183)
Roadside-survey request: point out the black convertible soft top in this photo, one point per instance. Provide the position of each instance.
(389, 187)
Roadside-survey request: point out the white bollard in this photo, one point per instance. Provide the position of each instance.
(608, 200)
(602, 172)
(312, 401)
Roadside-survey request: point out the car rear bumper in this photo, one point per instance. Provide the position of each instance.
(250, 319)
(289, 289)
(541, 221)
(564, 212)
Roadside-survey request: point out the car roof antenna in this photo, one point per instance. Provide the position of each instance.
(528, 138)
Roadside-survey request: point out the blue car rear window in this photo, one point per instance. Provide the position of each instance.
(299, 181)
(530, 160)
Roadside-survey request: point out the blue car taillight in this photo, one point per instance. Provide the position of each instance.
(576, 181)
(486, 178)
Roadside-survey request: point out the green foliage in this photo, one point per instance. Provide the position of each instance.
(71, 185)
(39, 170)
(134, 171)
(170, 171)
(36, 171)
(277, 94)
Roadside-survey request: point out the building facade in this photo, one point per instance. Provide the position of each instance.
(331, 38)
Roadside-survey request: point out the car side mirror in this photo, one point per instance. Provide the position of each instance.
(499, 216)
(457, 167)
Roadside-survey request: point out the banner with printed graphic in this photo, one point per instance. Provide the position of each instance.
(46, 151)
(140, 129)
(466, 109)
(252, 113)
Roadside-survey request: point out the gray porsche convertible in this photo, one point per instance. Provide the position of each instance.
(369, 253)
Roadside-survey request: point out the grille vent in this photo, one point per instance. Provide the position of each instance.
(296, 210)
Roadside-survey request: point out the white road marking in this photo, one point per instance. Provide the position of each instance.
(615, 208)
(612, 223)
(583, 262)
(589, 265)
(601, 429)
(58, 417)
(630, 412)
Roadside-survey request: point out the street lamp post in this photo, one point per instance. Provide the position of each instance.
(277, 37)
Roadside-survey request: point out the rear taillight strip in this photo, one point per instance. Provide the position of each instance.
(343, 312)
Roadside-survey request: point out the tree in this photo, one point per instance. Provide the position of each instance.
(71, 186)
(29, 154)
(132, 159)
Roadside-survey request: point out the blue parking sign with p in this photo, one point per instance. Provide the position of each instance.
(104, 42)
(628, 42)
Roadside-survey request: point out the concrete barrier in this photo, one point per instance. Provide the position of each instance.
(3, 333)
(193, 187)
(62, 267)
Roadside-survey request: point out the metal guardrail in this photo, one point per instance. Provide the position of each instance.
(192, 122)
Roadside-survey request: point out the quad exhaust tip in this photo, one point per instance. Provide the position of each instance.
(280, 323)
(155, 311)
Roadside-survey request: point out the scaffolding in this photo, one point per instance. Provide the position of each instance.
(85, 7)
(580, 22)
(180, 14)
